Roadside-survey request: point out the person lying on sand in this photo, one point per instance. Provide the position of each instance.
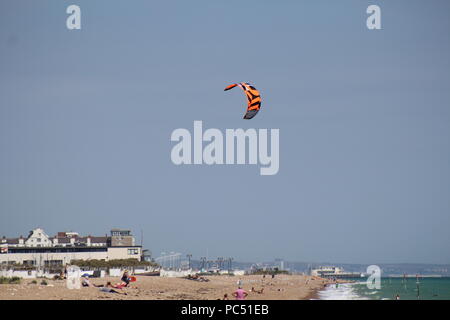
(196, 278)
(122, 285)
(257, 291)
(110, 289)
(86, 283)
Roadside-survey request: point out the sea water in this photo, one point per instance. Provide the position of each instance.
(406, 288)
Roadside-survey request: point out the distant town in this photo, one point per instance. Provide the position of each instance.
(39, 250)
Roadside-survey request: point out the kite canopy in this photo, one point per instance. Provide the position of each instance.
(253, 98)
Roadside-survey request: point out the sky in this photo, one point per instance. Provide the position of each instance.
(364, 117)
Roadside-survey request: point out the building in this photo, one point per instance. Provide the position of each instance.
(38, 249)
(333, 272)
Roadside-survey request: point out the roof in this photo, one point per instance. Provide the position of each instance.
(12, 241)
(63, 240)
(99, 239)
(83, 239)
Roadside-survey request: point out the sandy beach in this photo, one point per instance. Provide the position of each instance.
(282, 287)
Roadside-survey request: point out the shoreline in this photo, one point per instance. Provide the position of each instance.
(315, 295)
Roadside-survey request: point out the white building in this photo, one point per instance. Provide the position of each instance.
(38, 249)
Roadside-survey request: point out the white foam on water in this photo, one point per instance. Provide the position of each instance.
(344, 291)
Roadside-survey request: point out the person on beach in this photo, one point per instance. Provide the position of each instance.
(121, 285)
(240, 294)
(126, 278)
(109, 289)
(225, 296)
(85, 282)
(257, 291)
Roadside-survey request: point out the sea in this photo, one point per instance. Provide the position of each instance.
(406, 288)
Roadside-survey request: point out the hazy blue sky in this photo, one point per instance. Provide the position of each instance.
(364, 118)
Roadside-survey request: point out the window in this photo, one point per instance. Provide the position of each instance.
(133, 251)
(53, 262)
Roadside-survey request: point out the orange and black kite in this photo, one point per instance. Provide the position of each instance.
(253, 98)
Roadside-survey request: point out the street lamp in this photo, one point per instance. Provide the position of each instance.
(230, 263)
(203, 260)
(189, 256)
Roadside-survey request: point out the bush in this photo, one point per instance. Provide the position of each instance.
(118, 263)
(269, 272)
(12, 280)
(33, 282)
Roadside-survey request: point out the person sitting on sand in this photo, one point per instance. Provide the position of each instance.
(225, 296)
(85, 282)
(126, 278)
(109, 289)
(240, 294)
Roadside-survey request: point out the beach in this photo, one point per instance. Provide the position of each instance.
(282, 287)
